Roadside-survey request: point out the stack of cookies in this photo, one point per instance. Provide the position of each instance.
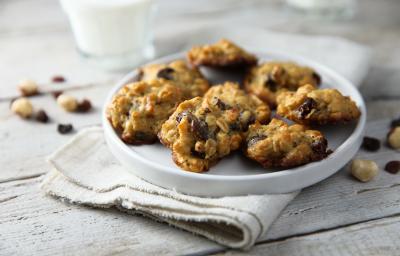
(202, 123)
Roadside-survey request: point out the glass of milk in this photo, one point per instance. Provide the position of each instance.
(115, 34)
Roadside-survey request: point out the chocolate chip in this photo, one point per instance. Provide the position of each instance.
(317, 78)
(319, 146)
(271, 83)
(166, 73)
(197, 154)
(253, 140)
(84, 106)
(392, 167)
(58, 79)
(306, 107)
(183, 114)
(222, 105)
(395, 123)
(371, 144)
(41, 116)
(199, 128)
(64, 128)
(56, 94)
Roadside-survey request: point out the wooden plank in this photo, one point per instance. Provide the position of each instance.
(337, 201)
(32, 224)
(46, 55)
(26, 143)
(379, 237)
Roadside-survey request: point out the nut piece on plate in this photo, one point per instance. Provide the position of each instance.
(393, 138)
(28, 87)
(222, 54)
(22, 107)
(281, 145)
(270, 78)
(67, 102)
(316, 106)
(138, 109)
(189, 79)
(203, 130)
(364, 170)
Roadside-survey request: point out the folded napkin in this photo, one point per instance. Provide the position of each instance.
(85, 172)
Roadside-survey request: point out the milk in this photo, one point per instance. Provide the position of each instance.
(114, 33)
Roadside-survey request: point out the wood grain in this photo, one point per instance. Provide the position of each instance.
(31, 223)
(326, 219)
(379, 237)
(337, 201)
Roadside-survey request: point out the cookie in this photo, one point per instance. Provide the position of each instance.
(138, 109)
(203, 130)
(278, 145)
(190, 80)
(317, 106)
(270, 78)
(224, 53)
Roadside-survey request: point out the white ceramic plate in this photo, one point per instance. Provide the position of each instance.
(235, 175)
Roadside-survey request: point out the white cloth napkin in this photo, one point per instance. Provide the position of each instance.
(85, 172)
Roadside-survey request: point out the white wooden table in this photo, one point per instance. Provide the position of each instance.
(339, 216)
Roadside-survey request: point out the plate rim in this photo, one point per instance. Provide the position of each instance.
(355, 135)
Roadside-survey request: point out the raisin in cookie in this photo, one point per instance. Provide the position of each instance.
(190, 80)
(268, 79)
(138, 109)
(203, 130)
(224, 53)
(317, 106)
(280, 145)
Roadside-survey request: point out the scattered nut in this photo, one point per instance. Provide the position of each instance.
(84, 106)
(56, 94)
(28, 87)
(364, 170)
(58, 79)
(64, 128)
(22, 107)
(41, 116)
(67, 102)
(393, 167)
(371, 144)
(393, 138)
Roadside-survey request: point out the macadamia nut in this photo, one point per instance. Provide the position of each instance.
(67, 102)
(394, 138)
(22, 107)
(364, 170)
(28, 87)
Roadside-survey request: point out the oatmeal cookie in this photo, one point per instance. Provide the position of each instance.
(280, 145)
(317, 106)
(138, 110)
(203, 130)
(190, 80)
(270, 78)
(224, 53)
